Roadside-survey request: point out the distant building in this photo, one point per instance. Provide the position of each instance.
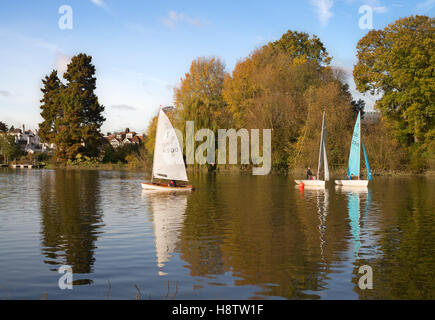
(119, 139)
(168, 108)
(371, 116)
(28, 140)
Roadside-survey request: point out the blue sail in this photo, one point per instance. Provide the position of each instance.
(369, 172)
(354, 156)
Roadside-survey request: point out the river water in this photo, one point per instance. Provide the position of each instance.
(234, 237)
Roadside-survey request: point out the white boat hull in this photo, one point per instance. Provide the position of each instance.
(359, 190)
(164, 187)
(312, 183)
(352, 183)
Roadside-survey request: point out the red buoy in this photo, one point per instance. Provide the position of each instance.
(301, 186)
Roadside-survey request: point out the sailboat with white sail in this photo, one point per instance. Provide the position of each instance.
(323, 159)
(353, 171)
(168, 163)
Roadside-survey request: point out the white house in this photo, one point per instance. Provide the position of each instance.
(122, 138)
(28, 140)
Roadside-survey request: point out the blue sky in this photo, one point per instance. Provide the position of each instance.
(141, 49)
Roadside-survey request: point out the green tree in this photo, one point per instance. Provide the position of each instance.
(300, 46)
(72, 114)
(358, 106)
(8, 148)
(50, 110)
(3, 127)
(398, 62)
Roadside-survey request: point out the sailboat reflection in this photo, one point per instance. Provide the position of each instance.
(322, 205)
(322, 197)
(354, 197)
(167, 211)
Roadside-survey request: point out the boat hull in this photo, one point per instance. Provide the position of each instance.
(312, 183)
(165, 187)
(359, 190)
(352, 183)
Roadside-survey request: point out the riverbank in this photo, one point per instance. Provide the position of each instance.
(228, 170)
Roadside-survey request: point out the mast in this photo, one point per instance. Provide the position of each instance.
(155, 144)
(360, 138)
(319, 163)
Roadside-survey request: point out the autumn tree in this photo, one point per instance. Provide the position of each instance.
(267, 90)
(331, 98)
(199, 96)
(398, 62)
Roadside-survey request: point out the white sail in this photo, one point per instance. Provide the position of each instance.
(325, 158)
(168, 155)
(322, 153)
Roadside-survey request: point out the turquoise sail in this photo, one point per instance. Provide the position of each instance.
(369, 172)
(354, 156)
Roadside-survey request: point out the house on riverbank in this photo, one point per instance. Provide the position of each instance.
(119, 139)
(28, 140)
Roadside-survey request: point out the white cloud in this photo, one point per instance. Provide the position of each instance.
(175, 18)
(99, 3)
(62, 62)
(425, 6)
(123, 107)
(5, 93)
(381, 9)
(323, 9)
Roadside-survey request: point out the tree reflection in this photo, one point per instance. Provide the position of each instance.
(70, 219)
(261, 231)
(405, 267)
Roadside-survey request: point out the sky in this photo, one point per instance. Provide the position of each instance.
(141, 49)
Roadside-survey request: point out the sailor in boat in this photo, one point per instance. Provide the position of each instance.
(173, 184)
(309, 173)
(352, 177)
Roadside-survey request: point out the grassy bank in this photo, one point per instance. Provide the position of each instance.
(230, 169)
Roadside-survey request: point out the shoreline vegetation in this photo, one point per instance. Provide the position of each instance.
(228, 170)
(284, 86)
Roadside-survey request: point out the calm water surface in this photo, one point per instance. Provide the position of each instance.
(234, 237)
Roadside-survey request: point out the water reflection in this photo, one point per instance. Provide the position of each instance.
(167, 210)
(269, 237)
(321, 197)
(70, 219)
(234, 237)
(355, 196)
